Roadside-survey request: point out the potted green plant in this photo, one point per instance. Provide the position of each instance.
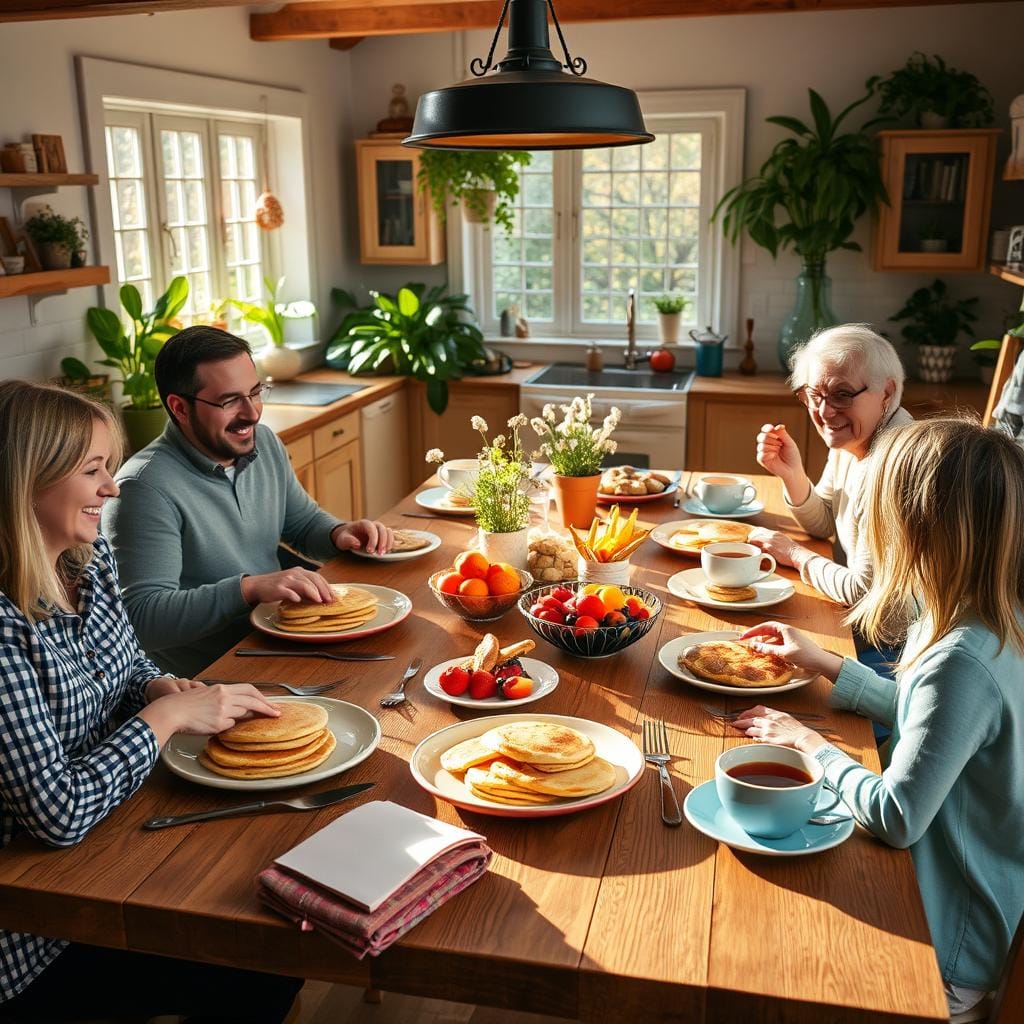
(60, 240)
(432, 337)
(670, 313)
(276, 361)
(932, 238)
(133, 353)
(76, 376)
(934, 323)
(818, 185)
(486, 182)
(930, 94)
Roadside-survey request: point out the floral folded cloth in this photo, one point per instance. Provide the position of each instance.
(362, 932)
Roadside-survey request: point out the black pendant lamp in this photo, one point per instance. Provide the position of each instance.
(529, 102)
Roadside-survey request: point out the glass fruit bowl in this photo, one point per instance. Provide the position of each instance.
(483, 608)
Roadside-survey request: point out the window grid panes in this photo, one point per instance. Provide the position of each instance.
(125, 169)
(243, 254)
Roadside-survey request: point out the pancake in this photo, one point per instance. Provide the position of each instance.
(729, 594)
(279, 745)
(718, 533)
(408, 540)
(297, 719)
(594, 777)
(231, 757)
(490, 787)
(539, 743)
(736, 664)
(345, 600)
(553, 769)
(317, 757)
(466, 754)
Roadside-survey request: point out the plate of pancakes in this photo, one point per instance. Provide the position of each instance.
(689, 536)
(441, 499)
(408, 544)
(693, 585)
(356, 610)
(720, 661)
(527, 766)
(313, 739)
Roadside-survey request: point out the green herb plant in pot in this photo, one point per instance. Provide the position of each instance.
(808, 195)
(60, 240)
(485, 182)
(76, 376)
(133, 353)
(670, 314)
(276, 361)
(934, 323)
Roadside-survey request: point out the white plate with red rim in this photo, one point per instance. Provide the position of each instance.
(613, 746)
(663, 534)
(544, 677)
(669, 658)
(393, 607)
(691, 585)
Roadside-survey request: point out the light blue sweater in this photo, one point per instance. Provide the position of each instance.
(953, 790)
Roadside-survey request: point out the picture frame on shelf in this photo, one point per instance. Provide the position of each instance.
(23, 246)
(7, 241)
(50, 154)
(1015, 250)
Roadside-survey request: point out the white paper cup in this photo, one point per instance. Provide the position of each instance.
(731, 564)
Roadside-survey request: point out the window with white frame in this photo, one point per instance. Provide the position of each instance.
(183, 199)
(590, 225)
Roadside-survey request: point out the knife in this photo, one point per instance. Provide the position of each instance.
(302, 803)
(260, 652)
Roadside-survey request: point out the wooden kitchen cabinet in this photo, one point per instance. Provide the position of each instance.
(300, 454)
(339, 482)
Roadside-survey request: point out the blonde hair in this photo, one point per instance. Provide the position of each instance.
(45, 435)
(945, 501)
(851, 347)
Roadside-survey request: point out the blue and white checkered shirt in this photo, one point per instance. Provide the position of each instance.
(69, 752)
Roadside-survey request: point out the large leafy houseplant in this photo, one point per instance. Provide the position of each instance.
(267, 315)
(934, 318)
(432, 337)
(928, 86)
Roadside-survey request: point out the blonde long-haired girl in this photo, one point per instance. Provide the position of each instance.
(945, 529)
(83, 711)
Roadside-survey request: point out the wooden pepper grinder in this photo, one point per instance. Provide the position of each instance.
(748, 366)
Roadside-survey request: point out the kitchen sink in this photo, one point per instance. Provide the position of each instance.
(570, 375)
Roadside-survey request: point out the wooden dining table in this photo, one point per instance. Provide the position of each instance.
(601, 915)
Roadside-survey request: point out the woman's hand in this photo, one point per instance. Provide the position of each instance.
(205, 710)
(769, 726)
(782, 547)
(778, 453)
(165, 685)
(795, 647)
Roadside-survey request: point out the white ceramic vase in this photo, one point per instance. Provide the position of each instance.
(616, 573)
(513, 548)
(280, 363)
(669, 325)
(935, 363)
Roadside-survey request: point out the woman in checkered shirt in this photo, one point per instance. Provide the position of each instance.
(84, 712)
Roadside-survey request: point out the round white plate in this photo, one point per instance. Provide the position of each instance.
(544, 677)
(435, 498)
(690, 585)
(696, 507)
(664, 533)
(613, 746)
(392, 608)
(706, 814)
(640, 499)
(669, 658)
(434, 542)
(355, 729)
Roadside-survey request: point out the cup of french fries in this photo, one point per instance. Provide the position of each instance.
(605, 549)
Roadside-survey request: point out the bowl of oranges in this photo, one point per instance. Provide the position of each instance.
(477, 589)
(588, 619)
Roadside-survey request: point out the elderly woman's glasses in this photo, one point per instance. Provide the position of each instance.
(258, 394)
(841, 398)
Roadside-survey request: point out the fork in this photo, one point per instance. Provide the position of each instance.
(262, 652)
(397, 696)
(299, 691)
(656, 751)
(803, 716)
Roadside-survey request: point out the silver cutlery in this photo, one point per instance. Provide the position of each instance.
(299, 691)
(300, 803)
(261, 652)
(397, 696)
(656, 751)
(803, 716)
(683, 492)
(448, 519)
(831, 817)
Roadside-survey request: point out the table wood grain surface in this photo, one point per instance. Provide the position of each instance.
(602, 915)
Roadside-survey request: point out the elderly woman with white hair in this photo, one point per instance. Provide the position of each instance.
(851, 381)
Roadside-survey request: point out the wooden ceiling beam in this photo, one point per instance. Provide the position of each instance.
(53, 10)
(346, 42)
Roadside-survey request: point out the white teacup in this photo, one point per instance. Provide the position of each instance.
(722, 493)
(459, 473)
(732, 564)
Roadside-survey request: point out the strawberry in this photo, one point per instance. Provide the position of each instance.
(454, 680)
(482, 685)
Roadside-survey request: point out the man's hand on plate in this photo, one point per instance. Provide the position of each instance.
(364, 535)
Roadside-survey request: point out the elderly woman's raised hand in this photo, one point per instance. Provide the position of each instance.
(778, 453)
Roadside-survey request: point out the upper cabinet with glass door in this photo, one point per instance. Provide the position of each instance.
(397, 224)
(940, 194)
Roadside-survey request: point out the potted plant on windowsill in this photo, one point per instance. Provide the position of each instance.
(670, 313)
(277, 361)
(932, 95)
(934, 322)
(60, 240)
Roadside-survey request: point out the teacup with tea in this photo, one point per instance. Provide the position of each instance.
(459, 474)
(721, 493)
(735, 564)
(770, 791)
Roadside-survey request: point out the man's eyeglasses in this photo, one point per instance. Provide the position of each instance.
(258, 394)
(841, 398)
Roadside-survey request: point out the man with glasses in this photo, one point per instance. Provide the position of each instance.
(203, 509)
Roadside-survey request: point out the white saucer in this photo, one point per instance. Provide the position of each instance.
(433, 543)
(690, 585)
(434, 498)
(704, 811)
(544, 677)
(696, 507)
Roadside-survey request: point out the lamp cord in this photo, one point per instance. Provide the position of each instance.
(478, 67)
(577, 65)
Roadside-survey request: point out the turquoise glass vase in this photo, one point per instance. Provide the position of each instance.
(813, 310)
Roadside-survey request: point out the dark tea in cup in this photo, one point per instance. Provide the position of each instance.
(775, 774)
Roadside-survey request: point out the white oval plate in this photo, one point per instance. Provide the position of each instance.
(392, 608)
(434, 498)
(669, 658)
(696, 507)
(544, 677)
(355, 729)
(613, 746)
(663, 534)
(606, 498)
(690, 585)
(433, 543)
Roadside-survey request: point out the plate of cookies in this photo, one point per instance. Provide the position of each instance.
(721, 662)
(313, 739)
(355, 611)
(693, 585)
(527, 766)
(688, 536)
(408, 544)
(625, 485)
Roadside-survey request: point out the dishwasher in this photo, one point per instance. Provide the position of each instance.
(384, 430)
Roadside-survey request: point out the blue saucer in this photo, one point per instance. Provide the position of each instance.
(696, 507)
(706, 814)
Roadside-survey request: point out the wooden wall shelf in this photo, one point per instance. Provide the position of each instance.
(1001, 270)
(10, 179)
(52, 281)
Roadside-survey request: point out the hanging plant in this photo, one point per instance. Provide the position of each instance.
(927, 86)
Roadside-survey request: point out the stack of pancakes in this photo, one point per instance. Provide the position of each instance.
(698, 533)
(266, 748)
(527, 763)
(349, 608)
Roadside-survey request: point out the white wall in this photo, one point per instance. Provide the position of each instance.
(775, 57)
(37, 67)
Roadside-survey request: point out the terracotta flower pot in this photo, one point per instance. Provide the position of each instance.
(576, 499)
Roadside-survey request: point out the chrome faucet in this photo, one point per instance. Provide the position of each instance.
(632, 356)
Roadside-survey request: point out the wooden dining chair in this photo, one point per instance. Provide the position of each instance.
(1008, 1005)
